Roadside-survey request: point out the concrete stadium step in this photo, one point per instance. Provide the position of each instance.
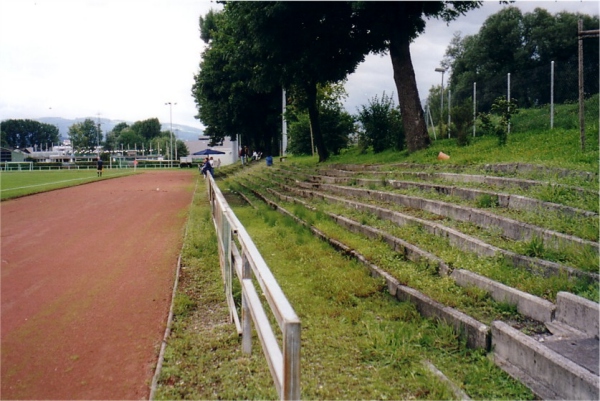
(562, 366)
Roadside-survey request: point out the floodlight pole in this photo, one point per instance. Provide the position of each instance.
(552, 95)
(171, 122)
(442, 70)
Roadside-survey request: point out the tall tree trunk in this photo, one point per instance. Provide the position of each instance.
(417, 137)
(313, 114)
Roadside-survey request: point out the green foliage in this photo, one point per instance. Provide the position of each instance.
(557, 148)
(256, 48)
(523, 45)
(381, 125)
(487, 201)
(535, 247)
(85, 135)
(130, 138)
(147, 129)
(391, 27)
(462, 119)
(504, 110)
(226, 95)
(336, 123)
(27, 133)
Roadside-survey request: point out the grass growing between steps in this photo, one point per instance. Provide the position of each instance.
(425, 278)
(357, 341)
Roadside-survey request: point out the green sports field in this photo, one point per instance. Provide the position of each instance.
(14, 184)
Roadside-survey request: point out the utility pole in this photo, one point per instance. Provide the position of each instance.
(171, 119)
(581, 34)
(98, 137)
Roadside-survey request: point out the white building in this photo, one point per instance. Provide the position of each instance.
(228, 147)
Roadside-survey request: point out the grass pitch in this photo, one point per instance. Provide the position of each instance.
(14, 184)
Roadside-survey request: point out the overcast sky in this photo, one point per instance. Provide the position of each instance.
(124, 59)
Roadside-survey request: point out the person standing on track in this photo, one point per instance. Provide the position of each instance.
(99, 164)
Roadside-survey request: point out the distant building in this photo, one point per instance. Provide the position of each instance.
(12, 155)
(228, 146)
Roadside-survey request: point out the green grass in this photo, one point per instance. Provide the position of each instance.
(413, 275)
(14, 184)
(530, 141)
(357, 341)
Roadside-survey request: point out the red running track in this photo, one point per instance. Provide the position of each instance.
(86, 281)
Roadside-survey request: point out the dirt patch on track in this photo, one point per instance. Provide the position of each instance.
(87, 274)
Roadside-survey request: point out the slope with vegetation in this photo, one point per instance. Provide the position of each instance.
(358, 340)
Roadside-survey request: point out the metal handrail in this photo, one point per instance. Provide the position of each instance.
(248, 264)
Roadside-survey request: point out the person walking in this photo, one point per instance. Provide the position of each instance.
(207, 168)
(243, 155)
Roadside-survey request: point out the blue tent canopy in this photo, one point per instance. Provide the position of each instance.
(208, 151)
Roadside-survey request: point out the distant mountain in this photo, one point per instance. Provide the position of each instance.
(183, 132)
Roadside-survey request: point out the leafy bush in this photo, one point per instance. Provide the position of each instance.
(381, 125)
(505, 109)
(462, 118)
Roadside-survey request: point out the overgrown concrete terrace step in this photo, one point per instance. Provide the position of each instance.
(471, 178)
(510, 228)
(475, 333)
(556, 376)
(566, 365)
(528, 305)
(506, 200)
(456, 238)
(506, 168)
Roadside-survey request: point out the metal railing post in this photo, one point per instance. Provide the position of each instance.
(246, 316)
(291, 361)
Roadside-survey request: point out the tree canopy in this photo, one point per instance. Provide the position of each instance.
(85, 135)
(16, 133)
(227, 103)
(262, 46)
(266, 46)
(523, 45)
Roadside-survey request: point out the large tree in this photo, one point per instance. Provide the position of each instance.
(523, 45)
(392, 26)
(112, 137)
(27, 133)
(228, 105)
(299, 45)
(337, 125)
(84, 135)
(147, 129)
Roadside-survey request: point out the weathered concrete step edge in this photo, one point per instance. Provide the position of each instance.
(511, 228)
(513, 168)
(577, 312)
(509, 201)
(463, 241)
(458, 392)
(527, 304)
(481, 179)
(476, 334)
(548, 374)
